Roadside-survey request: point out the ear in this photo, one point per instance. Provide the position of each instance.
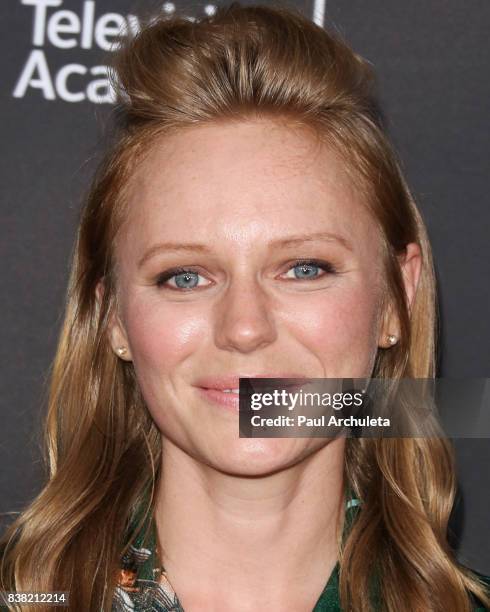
(116, 331)
(411, 265)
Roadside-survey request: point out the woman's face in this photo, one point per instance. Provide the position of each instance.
(282, 278)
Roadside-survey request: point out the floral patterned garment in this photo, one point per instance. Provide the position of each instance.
(143, 585)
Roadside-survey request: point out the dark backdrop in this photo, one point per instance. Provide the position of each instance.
(431, 58)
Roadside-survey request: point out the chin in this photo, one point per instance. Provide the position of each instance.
(261, 456)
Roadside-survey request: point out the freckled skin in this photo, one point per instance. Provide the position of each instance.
(235, 188)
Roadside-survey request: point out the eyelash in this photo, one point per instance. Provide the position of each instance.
(327, 267)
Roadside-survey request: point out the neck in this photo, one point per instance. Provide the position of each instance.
(234, 539)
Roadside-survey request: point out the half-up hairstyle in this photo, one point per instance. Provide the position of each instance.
(103, 449)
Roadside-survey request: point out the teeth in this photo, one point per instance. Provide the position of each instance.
(230, 390)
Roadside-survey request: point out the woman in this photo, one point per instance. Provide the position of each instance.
(249, 220)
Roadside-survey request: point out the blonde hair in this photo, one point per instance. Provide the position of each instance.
(103, 449)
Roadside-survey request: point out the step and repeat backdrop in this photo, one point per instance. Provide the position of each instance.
(431, 58)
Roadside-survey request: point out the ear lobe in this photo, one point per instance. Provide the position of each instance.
(390, 328)
(410, 265)
(115, 329)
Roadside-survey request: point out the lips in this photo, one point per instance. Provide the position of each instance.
(224, 390)
(232, 381)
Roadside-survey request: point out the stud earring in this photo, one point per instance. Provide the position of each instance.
(392, 339)
(122, 350)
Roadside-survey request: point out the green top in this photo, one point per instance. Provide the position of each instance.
(143, 584)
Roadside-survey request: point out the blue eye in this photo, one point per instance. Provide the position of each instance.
(184, 279)
(187, 279)
(310, 269)
(306, 271)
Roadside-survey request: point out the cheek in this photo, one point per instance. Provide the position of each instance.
(161, 335)
(340, 328)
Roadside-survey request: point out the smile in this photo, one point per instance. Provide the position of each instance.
(224, 398)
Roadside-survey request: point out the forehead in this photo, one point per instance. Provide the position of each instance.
(253, 179)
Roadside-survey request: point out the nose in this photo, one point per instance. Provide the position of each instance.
(243, 319)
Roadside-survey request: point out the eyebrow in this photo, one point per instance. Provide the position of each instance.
(295, 240)
(315, 237)
(173, 247)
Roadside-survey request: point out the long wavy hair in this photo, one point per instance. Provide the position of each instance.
(102, 448)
